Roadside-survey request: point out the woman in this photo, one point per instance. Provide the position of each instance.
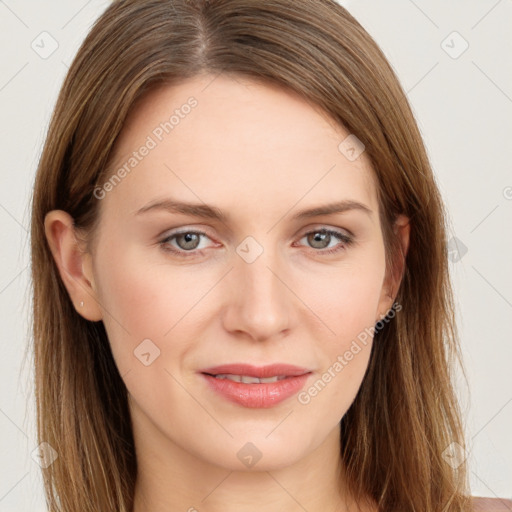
(243, 244)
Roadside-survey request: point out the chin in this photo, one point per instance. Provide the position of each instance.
(259, 452)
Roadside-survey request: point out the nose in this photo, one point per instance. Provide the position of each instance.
(259, 304)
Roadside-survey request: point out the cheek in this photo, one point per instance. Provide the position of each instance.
(347, 302)
(146, 300)
(347, 298)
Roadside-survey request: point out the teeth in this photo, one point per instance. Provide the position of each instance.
(250, 380)
(246, 379)
(270, 379)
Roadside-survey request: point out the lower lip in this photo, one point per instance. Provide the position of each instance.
(257, 395)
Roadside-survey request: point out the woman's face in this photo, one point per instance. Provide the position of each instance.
(251, 280)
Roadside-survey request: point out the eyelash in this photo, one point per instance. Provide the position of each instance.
(346, 240)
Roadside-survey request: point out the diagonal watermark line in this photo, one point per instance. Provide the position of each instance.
(232, 77)
(286, 490)
(485, 15)
(497, 291)
(13, 279)
(217, 486)
(215, 78)
(279, 423)
(492, 81)
(14, 76)
(95, 299)
(13, 218)
(424, 14)
(12, 488)
(334, 334)
(13, 13)
(492, 211)
(503, 502)
(14, 423)
(421, 79)
(76, 14)
(198, 301)
(406, 93)
(305, 194)
(501, 409)
(165, 165)
(202, 406)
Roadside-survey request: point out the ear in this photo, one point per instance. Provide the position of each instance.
(74, 264)
(394, 274)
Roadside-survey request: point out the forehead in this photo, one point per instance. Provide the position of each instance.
(234, 141)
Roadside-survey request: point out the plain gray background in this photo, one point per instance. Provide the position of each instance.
(454, 61)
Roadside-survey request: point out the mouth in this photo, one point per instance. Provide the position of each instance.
(247, 379)
(256, 387)
(276, 370)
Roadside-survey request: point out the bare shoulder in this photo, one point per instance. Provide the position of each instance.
(491, 505)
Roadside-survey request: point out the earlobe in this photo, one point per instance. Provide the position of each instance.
(71, 261)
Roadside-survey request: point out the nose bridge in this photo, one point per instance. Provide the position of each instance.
(260, 303)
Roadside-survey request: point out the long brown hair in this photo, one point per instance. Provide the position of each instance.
(406, 413)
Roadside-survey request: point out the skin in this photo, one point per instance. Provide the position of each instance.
(260, 154)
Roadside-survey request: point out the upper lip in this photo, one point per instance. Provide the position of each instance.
(271, 370)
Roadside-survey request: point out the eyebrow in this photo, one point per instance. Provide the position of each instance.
(206, 211)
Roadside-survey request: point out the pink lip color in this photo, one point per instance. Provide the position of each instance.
(262, 395)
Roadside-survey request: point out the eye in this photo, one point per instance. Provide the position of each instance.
(186, 242)
(323, 238)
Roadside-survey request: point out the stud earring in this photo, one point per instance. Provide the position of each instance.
(82, 304)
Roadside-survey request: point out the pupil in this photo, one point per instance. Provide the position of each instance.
(189, 239)
(320, 238)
